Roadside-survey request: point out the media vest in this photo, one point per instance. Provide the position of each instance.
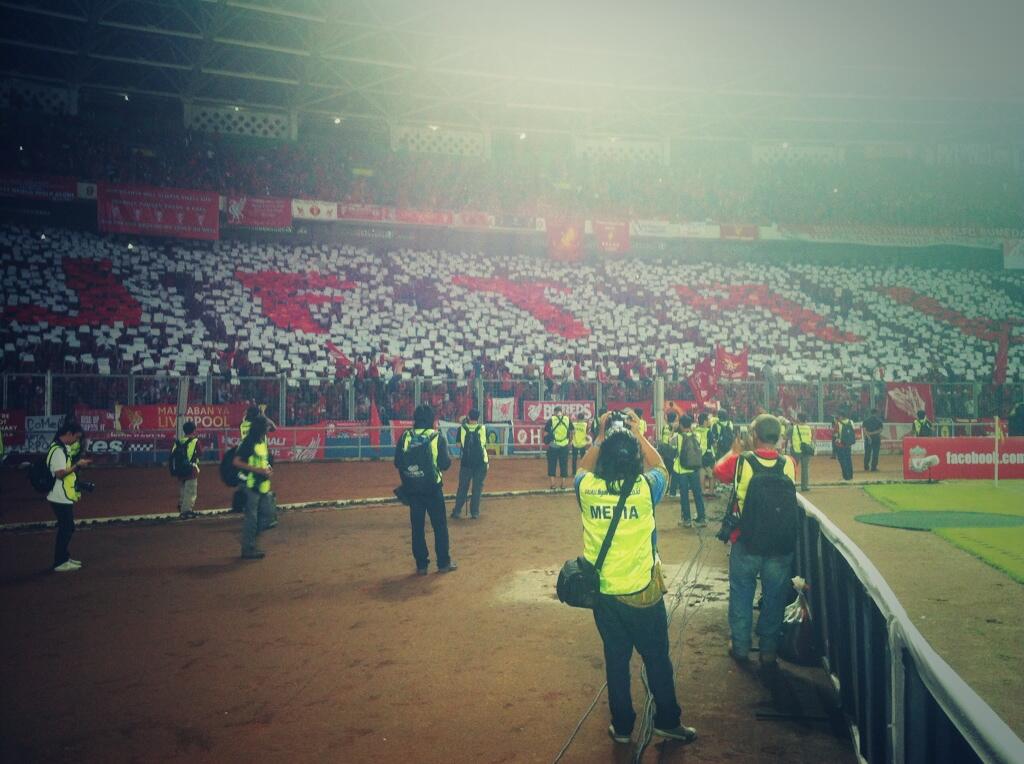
(744, 473)
(702, 434)
(68, 482)
(190, 443)
(559, 430)
(666, 433)
(243, 428)
(922, 428)
(260, 458)
(580, 433)
(462, 439)
(627, 568)
(801, 434)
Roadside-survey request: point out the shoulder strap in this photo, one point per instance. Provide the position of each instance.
(606, 544)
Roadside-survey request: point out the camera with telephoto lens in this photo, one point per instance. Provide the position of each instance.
(617, 420)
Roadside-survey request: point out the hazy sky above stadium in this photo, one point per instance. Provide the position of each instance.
(965, 49)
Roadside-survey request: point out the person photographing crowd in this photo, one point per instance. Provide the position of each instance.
(623, 475)
(473, 464)
(65, 493)
(556, 435)
(253, 460)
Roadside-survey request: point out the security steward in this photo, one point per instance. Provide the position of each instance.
(922, 426)
(189, 485)
(558, 428)
(802, 444)
(473, 464)
(430, 502)
(580, 438)
(253, 460)
(630, 612)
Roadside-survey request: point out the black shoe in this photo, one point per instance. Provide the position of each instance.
(454, 516)
(679, 732)
(188, 515)
(421, 571)
(254, 554)
(448, 568)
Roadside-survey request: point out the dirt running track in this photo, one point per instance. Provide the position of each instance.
(167, 647)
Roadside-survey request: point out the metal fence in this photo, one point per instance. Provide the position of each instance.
(312, 400)
(904, 702)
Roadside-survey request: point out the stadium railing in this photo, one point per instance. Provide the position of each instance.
(903, 702)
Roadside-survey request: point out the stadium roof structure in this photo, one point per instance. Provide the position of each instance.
(787, 70)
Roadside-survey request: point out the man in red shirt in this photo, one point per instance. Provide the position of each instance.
(746, 566)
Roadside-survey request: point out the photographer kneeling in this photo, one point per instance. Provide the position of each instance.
(630, 612)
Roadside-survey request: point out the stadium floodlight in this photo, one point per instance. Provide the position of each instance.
(337, 120)
(433, 127)
(238, 108)
(131, 246)
(125, 96)
(522, 136)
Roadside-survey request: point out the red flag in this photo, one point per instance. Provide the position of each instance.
(703, 382)
(730, 365)
(374, 420)
(904, 399)
(612, 237)
(565, 240)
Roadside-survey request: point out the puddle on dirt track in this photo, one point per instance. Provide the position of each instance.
(708, 587)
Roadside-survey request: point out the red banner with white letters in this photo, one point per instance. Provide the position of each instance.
(423, 217)
(612, 237)
(261, 212)
(361, 212)
(48, 188)
(12, 427)
(962, 458)
(164, 417)
(538, 412)
(149, 211)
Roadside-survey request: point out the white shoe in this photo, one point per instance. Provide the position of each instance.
(76, 563)
(66, 567)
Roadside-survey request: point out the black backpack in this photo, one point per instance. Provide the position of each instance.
(690, 456)
(724, 438)
(228, 471)
(416, 464)
(39, 474)
(179, 465)
(770, 521)
(847, 435)
(472, 449)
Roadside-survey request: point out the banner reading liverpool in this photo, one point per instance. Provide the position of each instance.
(151, 211)
(565, 240)
(264, 213)
(730, 365)
(612, 237)
(904, 399)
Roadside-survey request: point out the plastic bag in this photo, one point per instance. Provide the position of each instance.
(797, 642)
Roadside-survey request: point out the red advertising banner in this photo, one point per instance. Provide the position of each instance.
(740, 232)
(361, 212)
(178, 212)
(101, 444)
(538, 412)
(162, 417)
(262, 212)
(12, 427)
(312, 209)
(475, 219)
(904, 399)
(565, 240)
(730, 365)
(423, 217)
(527, 436)
(612, 237)
(962, 458)
(288, 444)
(51, 189)
(343, 428)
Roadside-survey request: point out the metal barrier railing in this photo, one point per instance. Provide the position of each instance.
(903, 701)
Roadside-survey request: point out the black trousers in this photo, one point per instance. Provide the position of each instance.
(845, 457)
(468, 476)
(872, 448)
(431, 504)
(558, 456)
(65, 529)
(577, 453)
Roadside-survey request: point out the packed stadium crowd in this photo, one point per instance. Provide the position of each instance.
(720, 182)
(78, 302)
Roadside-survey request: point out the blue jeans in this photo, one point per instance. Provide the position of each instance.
(623, 628)
(775, 573)
(690, 481)
(259, 513)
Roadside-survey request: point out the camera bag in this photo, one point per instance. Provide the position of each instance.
(579, 580)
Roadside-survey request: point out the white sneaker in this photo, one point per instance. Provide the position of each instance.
(76, 563)
(66, 567)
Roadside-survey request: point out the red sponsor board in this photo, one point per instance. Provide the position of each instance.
(95, 420)
(12, 427)
(962, 458)
(476, 219)
(163, 417)
(398, 426)
(423, 217)
(288, 444)
(538, 412)
(150, 211)
(51, 189)
(527, 436)
(904, 399)
(262, 212)
(742, 232)
(612, 237)
(361, 212)
(337, 428)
